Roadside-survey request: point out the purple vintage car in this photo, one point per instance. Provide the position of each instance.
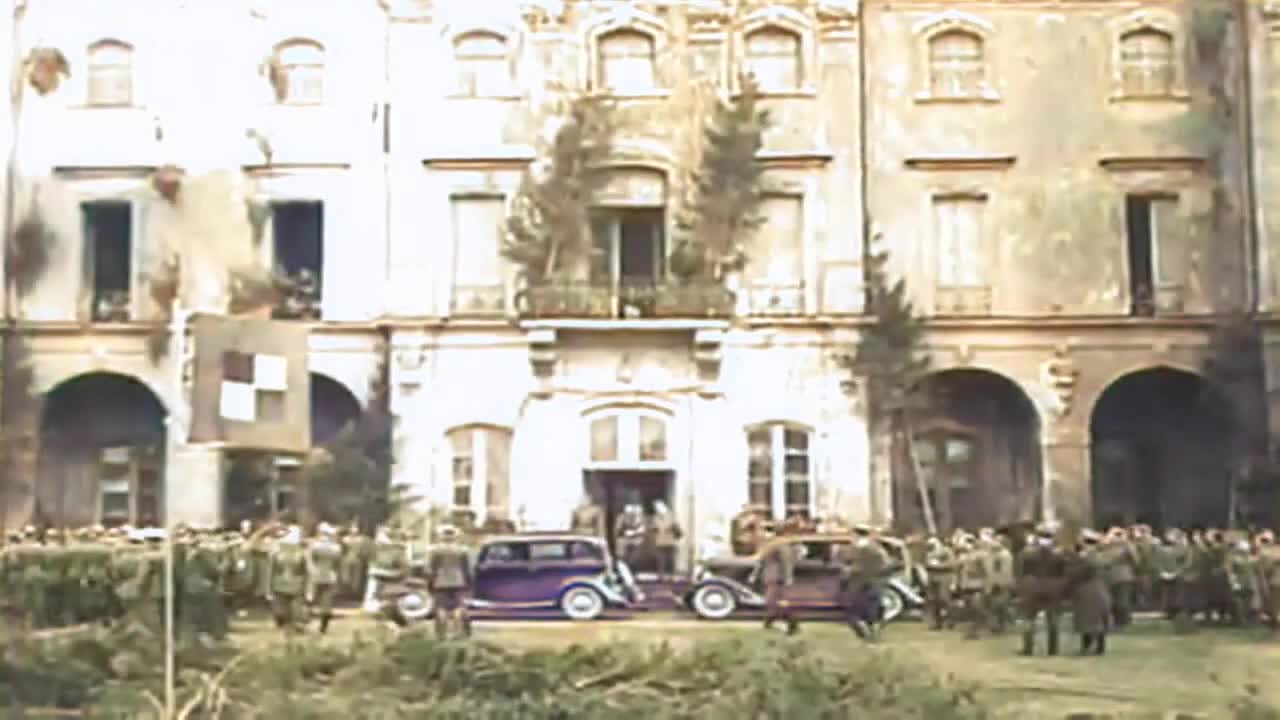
(560, 574)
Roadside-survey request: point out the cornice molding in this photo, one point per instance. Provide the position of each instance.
(960, 162)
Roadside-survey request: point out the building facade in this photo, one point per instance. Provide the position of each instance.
(1068, 190)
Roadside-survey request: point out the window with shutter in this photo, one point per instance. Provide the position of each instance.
(110, 74)
(956, 65)
(773, 59)
(626, 62)
(1146, 63)
(483, 64)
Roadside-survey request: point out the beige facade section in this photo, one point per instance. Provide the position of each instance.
(990, 148)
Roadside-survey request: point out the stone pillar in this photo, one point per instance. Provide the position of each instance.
(1067, 492)
(193, 484)
(713, 489)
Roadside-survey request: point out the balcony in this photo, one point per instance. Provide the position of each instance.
(630, 299)
(478, 301)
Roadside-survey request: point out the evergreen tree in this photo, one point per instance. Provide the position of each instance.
(548, 233)
(724, 210)
(890, 356)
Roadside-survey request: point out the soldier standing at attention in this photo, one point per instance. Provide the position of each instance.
(629, 532)
(588, 519)
(1269, 577)
(287, 579)
(1042, 583)
(449, 579)
(666, 534)
(389, 560)
(1090, 602)
(1122, 567)
(324, 557)
(1000, 595)
(940, 566)
(972, 584)
(355, 562)
(1242, 573)
(776, 570)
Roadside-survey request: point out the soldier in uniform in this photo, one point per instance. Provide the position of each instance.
(864, 573)
(1000, 595)
(629, 532)
(1090, 603)
(449, 577)
(776, 571)
(1122, 569)
(1042, 584)
(940, 569)
(588, 518)
(355, 562)
(389, 561)
(1242, 575)
(324, 556)
(972, 584)
(202, 569)
(666, 535)
(745, 530)
(1269, 577)
(287, 578)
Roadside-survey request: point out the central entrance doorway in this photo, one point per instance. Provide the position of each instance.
(613, 490)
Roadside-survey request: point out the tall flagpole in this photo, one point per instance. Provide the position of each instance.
(178, 434)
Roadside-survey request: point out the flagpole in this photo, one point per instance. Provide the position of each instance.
(178, 434)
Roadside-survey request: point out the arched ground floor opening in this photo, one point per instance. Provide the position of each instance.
(1162, 451)
(971, 439)
(102, 453)
(262, 486)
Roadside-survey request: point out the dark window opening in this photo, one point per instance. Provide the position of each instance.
(1139, 240)
(628, 260)
(108, 232)
(298, 244)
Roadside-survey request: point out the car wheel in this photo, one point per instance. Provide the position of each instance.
(413, 607)
(891, 605)
(582, 603)
(714, 602)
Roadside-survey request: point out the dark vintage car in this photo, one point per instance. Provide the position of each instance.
(573, 576)
(724, 586)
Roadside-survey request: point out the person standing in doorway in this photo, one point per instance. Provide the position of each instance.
(666, 535)
(629, 533)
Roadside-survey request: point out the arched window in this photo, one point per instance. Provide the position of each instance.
(625, 62)
(956, 64)
(483, 63)
(779, 475)
(772, 57)
(110, 74)
(1146, 63)
(628, 438)
(301, 65)
(480, 462)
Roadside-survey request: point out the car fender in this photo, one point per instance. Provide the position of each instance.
(600, 585)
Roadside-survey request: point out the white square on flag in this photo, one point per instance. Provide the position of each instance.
(271, 373)
(238, 401)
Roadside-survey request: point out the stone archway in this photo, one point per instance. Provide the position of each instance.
(102, 453)
(973, 437)
(259, 487)
(1161, 451)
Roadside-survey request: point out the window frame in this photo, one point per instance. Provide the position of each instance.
(1134, 57)
(464, 89)
(628, 453)
(503, 288)
(126, 64)
(598, 73)
(477, 481)
(779, 481)
(88, 257)
(139, 462)
(950, 23)
(956, 75)
(1157, 21)
(319, 65)
(797, 56)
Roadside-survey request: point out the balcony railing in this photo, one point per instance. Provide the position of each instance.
(478, 301)
(627, 300)
(775, 299)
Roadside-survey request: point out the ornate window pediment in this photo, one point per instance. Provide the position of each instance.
(301, 63)
(1148, 51)
(954, 62)
(484, 65)
(776, 46)
(623, 49)
(110, 74)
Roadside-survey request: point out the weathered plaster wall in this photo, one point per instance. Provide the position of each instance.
(1053, 231)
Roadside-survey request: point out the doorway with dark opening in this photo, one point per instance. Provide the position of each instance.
(613, 490)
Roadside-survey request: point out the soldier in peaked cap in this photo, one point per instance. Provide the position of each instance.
(449, 577)
(776, 570)
(1090, 602)
(1041, 586)
(325, 557)
(288, 577)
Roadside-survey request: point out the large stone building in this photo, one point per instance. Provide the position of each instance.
(1072, 191)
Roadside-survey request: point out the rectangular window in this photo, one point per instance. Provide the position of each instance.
(604, 439)
(760, 469)
(629, 258)
(1153, 249)
(773, 59)
(484, 69)
(478, 269)
(115, 486)
(298, 256)
(497, 469)
(957, 223)
(796, 472)
(463, 467)
(108, 253)
(626, 62)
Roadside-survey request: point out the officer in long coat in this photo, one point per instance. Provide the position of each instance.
(1090, 602)
(775, 569)
(287, 578)
(324, 561)
(449, 577)
(1041, 587)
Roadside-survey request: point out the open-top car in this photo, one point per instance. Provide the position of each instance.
(724, 586)
(561, 574)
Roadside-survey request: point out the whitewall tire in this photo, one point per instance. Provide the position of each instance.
(892, 605)
(582, 603)
(713, 602)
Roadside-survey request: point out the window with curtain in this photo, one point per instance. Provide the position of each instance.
(110, 74)
(302, 63)
(772, 57)
(1146, 63)
(626, 60)
(480, 462)
(484, 65)
(779, 474)
(956, 64)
